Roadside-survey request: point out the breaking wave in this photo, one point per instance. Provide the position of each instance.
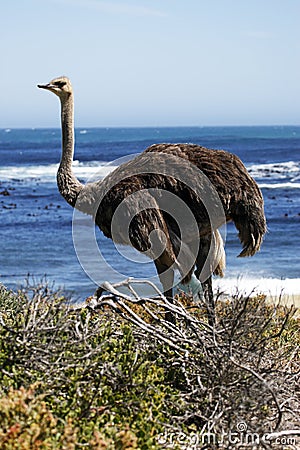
(268, 176)
(47, 173)
(277, 175)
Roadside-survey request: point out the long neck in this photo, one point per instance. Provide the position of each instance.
(68, 185)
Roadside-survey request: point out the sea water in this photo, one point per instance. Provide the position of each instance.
(36, 222)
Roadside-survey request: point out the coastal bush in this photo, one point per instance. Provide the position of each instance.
(73, 377)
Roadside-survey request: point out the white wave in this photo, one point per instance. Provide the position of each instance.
(276, 171)
(280, 175)
(266, 174)
(287, 185)
(28, 172)
(92, 171)
(269, 286)
(47, 173)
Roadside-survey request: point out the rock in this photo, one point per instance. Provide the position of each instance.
(5, 192)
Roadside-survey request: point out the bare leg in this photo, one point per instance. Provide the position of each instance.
(204, 248)
(167, 279)
(209, 298)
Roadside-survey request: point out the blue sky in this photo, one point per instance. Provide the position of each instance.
(152, 62)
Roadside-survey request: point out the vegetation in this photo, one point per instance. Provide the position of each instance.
(120, 377)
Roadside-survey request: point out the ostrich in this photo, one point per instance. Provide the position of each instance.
(152, 173)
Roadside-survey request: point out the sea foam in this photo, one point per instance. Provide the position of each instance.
(47, 173)
(273, 287)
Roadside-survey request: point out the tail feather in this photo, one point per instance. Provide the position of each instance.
(251, 244)
(219, 255)
(211, 256)
(185, 259)
(251, 225)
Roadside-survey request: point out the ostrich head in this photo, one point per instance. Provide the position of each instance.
(61, 86)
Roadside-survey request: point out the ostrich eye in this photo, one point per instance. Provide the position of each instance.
(60, 84)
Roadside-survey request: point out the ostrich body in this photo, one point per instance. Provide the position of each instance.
(150, 174)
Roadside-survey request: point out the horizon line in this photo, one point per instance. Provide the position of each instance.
(147, 126)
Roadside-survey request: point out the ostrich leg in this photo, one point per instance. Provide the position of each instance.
(205, 243)
(167, 279)
(209, 298)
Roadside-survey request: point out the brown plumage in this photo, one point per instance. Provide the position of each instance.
(136, 191)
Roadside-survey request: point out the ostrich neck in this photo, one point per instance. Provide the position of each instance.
(68, 185)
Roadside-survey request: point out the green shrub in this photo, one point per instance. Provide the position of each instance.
(26, 422)
(77, 378)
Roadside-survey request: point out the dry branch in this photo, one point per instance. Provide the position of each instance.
(244, 369)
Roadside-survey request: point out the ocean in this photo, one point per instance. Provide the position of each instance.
(36, 222)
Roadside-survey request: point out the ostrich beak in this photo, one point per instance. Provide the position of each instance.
(45, 86)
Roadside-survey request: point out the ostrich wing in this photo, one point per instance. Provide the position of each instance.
(238, 192)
